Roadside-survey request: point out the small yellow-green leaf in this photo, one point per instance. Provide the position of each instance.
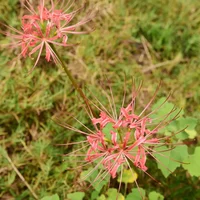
(192, 133)
(128, 176)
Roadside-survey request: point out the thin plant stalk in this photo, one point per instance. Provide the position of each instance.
(73, 81)
(22, 178)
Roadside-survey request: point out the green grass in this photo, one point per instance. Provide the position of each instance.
(148, 40)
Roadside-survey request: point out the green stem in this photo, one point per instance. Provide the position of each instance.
(120, 136)
(126, 184)
(73, 81)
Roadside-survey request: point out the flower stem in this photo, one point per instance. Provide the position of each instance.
(125, 190)
(73, 81)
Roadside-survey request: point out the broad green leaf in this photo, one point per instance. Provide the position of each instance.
(169, 160)
(190, 130)
(155, 196)
(136, 194)
(112, 194)
(164, 109)
(175, 127)
(194, 163)
(189, 123)
(76, 196)
(128, 176)
(53, 197)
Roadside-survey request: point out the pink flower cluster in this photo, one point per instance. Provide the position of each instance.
(128, 140)
(44, 27)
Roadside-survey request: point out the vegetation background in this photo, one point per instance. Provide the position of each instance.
(148, 40)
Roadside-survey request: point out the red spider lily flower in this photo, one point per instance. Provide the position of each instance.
(128, 140)
(124, 140)
(44, 27)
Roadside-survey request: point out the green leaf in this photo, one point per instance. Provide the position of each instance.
(174, 127)
(165, 109)
(94, 195)
(113, 194)
(181, 123)
(53, 197)
(136, 194)
(155, 196)
(128, 176)
(76, 196)
(106, 130)
(102, 197)
(190, 130)
(194, 163)
(169, 160)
